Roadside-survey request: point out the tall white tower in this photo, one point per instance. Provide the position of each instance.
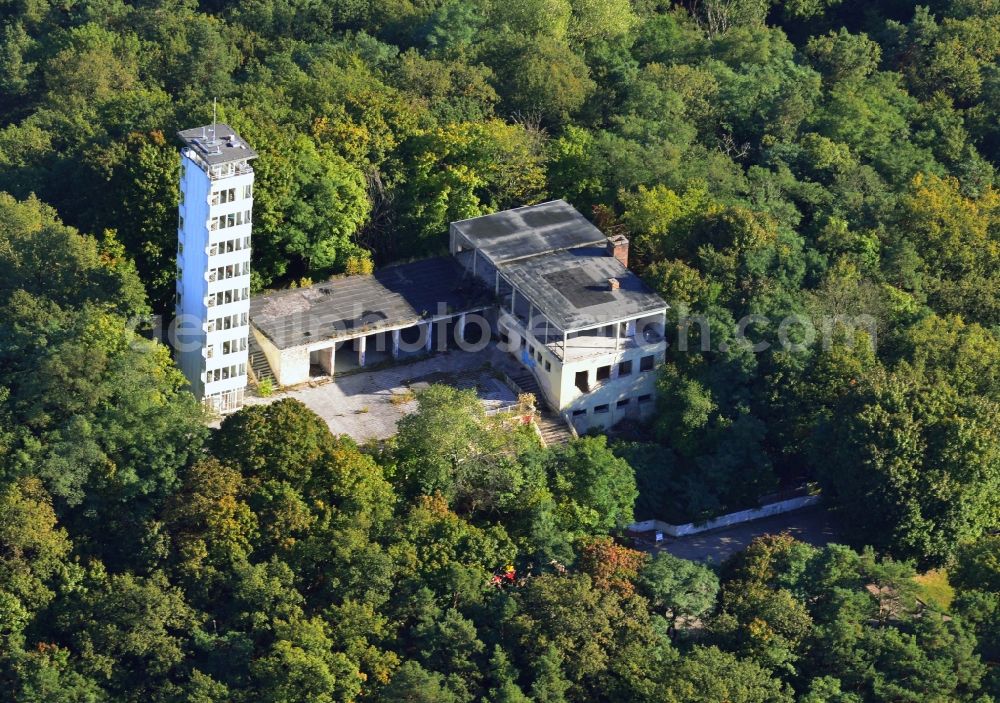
(213, 264)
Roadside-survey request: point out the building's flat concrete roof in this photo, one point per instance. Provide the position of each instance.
(352, 306)
(529, 231)
(571, 288)
(227, 145)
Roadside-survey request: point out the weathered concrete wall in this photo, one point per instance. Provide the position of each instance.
(294, 366)
(290, 366)
(271, 352)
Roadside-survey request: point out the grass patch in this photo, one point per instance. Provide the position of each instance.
(403, 398)
(935, 588)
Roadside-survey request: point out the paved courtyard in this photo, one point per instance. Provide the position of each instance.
(368, 405)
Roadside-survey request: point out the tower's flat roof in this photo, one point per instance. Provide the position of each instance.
(529, 231)
(226, 146)
(352, 306)
(571, 287)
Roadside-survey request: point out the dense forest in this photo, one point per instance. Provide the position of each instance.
(811, 159)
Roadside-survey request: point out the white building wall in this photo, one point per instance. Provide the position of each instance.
(558, 380)
(294, 366)
(202, 250)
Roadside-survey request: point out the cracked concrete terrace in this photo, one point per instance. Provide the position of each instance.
(367, 405)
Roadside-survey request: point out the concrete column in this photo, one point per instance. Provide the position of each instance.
(460, 328)
(395, 344)
(361, 351)
(326, 359)
(430, 337)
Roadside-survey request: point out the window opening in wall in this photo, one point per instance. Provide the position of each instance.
(601, 408)
(646, 364)
(645, 398)
(603, 373)
(625, 368)
(581, 381)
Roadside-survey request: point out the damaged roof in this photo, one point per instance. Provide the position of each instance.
(572, 287)
(351, 306)
(528, 231)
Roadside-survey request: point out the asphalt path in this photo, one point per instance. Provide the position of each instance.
(813, 525)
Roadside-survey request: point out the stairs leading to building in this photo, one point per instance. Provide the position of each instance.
(259, 366)
(527, 383)
(552, 427)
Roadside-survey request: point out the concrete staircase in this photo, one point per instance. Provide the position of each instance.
(552, 427)
(259, 366)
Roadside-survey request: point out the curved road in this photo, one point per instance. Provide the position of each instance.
(813, 525)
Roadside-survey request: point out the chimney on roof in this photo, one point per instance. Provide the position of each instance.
(613, 284)
(618, 248)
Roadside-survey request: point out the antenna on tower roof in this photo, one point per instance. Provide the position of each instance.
(214, 120)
